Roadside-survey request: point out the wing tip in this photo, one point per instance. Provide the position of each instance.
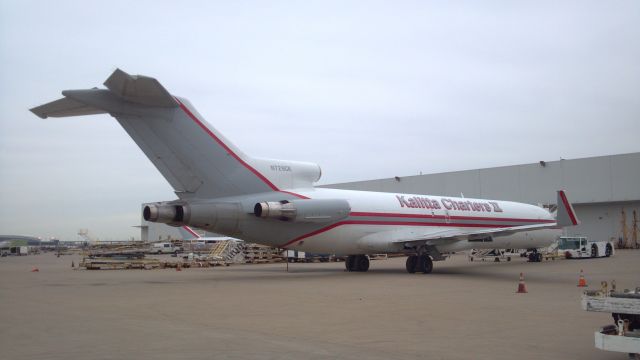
(566, 214)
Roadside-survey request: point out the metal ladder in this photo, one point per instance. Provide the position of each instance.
(237, 248)
(218, 250)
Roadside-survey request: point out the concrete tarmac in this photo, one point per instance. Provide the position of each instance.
(463, 310)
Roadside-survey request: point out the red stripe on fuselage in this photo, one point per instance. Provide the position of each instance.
(224, 146)
(421, 216)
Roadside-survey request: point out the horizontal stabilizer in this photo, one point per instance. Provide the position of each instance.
(139, 89)
(65, 107)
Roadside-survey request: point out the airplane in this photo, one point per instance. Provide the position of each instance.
(274, 202)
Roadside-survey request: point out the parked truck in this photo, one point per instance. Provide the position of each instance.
(163, 248)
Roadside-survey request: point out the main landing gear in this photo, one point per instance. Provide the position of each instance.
(419, 263)
(357, 263)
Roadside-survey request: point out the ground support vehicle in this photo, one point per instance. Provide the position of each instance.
(495, 255)
(576, 247)
(624, 334)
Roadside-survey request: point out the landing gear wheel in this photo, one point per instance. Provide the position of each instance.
(535, 257)
(357, 263)
(350, 263)
(362, 263)
(412, 260)
(425, 265)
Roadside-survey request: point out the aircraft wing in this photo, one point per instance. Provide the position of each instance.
(451, 235)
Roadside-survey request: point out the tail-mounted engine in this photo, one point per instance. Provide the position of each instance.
(311, 210)
(219, 217)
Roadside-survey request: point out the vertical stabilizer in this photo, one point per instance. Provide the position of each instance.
(193, 156)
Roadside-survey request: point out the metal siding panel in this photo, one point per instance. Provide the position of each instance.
(500, 183)
(538, 184)
(463, 183)
(587, 180)
(427, 185)
(597, 179)
(625, 177)
(603, 221)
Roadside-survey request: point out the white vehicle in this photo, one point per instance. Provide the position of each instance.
(163, 248)
(575, 247)
(274, 202)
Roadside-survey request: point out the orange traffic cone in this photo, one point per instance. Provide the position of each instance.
(522, 287)
(35, 269)
(582, 282)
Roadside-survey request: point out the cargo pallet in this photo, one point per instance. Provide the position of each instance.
(260, 254)
(114, 264)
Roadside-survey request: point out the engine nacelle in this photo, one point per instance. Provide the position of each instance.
(218, 217)
(165, 214)
(311, 210)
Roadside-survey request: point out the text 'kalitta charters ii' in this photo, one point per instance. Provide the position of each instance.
(449, 204)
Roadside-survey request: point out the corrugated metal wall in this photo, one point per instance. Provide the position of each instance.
(589, 180)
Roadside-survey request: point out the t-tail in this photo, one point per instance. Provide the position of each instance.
(198, 161)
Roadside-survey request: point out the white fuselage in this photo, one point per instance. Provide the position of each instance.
(379, 221)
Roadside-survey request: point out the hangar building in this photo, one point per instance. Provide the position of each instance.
(601, 189)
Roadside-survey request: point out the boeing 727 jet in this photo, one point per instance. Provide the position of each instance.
(274, 202)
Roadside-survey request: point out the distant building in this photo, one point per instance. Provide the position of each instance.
(19, 240)
(16, 244)
(599, 188)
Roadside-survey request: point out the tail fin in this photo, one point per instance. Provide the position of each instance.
(566, 216)
(194, 157)
(188, 233)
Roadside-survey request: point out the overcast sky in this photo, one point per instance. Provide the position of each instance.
(365, 89)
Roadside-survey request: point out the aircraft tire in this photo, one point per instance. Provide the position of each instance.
(350, 263)
(362, 263)
(425, 265)
(411, 264)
